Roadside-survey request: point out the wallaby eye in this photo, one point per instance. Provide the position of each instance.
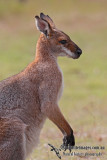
(63, 41)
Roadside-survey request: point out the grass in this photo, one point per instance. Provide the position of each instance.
(84, 101)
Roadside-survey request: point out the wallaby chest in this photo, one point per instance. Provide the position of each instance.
(55, 78)
(61, 85)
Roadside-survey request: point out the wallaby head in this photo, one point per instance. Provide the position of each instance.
(58, 43)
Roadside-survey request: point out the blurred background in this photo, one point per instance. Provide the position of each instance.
(84, 100)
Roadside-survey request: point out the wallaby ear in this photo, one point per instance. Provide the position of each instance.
(48, 19)
(42, 25)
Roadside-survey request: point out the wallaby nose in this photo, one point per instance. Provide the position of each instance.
(79, 51)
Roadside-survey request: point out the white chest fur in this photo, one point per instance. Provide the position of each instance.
(61, 87)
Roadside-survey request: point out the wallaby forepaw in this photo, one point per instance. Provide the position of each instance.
(68, 142)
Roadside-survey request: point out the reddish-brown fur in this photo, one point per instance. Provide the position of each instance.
(28, 98)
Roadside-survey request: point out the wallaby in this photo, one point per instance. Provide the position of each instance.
(28, 98)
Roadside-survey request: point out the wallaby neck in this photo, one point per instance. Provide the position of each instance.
(43, 50)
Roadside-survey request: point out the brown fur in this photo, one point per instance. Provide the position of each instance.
(28, 98)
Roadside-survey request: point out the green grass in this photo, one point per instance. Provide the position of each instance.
(84, 101)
